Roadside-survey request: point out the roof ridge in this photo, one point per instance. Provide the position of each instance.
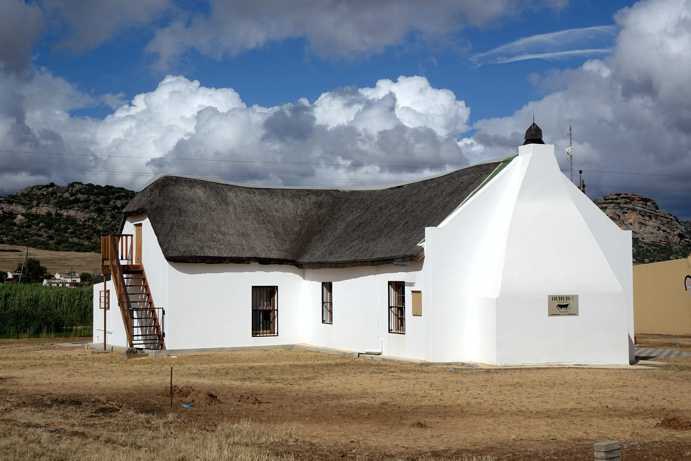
(395, 186)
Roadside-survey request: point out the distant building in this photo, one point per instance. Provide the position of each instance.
(12, 277)
(69, 280)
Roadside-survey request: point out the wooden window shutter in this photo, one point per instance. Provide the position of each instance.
(417, 303)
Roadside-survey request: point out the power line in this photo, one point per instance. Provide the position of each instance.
(316, 162)
(631, 173)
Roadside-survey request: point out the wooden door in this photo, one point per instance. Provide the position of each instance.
(137, 243)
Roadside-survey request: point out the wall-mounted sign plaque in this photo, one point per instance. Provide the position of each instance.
(562, 305)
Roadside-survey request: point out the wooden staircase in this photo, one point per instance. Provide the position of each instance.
(143, 321)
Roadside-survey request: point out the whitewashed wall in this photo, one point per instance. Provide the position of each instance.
(560, 243)
(464, 257)
(360, 310)
(114, 326)
(527, 234)
(210, 305)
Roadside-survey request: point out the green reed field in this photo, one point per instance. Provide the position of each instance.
(29, 310)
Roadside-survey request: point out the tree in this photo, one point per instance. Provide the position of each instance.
(87, 278)
(32, 271)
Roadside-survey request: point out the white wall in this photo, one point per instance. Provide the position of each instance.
(463, 262)
(560, 244)
(490, 266)
(211, 305)
(360, 310)
(114, 326)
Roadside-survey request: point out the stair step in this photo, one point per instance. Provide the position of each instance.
(132, 268)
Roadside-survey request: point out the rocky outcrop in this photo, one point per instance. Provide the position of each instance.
(657, 234)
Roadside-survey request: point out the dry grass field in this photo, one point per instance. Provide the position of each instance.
(61, 401)
(54, 261)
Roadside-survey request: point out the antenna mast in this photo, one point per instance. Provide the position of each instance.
(569, 153)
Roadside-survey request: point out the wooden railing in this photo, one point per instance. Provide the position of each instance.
(116, 247)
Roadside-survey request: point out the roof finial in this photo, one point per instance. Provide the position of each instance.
(533, 135)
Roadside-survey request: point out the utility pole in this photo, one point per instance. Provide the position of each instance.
(569, 153)
(26, 257)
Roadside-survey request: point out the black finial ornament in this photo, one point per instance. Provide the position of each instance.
(533, 135)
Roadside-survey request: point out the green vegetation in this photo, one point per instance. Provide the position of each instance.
(644, 252)
(34, 310)
(62, 218)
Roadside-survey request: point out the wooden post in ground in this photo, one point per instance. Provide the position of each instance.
(171, 387)
(105, 312)
(609, 450)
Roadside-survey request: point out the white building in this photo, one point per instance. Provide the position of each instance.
(501, 263)
(68, 280)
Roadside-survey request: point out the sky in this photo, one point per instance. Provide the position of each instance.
(343, 94)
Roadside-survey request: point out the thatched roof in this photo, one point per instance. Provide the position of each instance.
(202, 221)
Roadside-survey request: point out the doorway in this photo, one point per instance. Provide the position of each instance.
(138, 243)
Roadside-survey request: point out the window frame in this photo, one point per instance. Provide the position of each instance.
(396, 312)
(260, 333)
(104, 299)
(330, 308)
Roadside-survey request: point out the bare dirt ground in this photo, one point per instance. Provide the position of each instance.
(54, 261)
(64, 402)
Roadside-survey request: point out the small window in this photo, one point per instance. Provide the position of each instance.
(397, 307)
(417, 303)
(104, 299)
(265, 311)
(327, 303)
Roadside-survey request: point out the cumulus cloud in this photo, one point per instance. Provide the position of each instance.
(631, 112)
(391, 132)
(331, 27)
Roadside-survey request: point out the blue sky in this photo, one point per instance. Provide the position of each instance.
(122, 65)
(336, 93)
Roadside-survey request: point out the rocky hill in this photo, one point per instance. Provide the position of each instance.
(657, 234)
(68, 218)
